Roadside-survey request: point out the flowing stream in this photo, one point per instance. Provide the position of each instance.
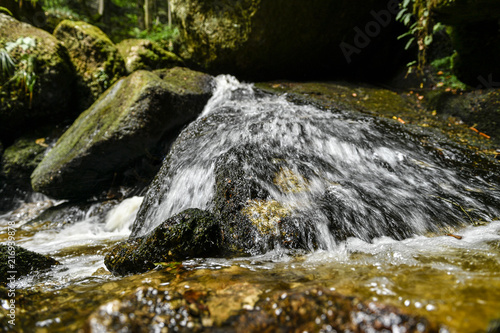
(393, 200)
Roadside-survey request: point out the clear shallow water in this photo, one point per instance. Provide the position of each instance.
(455, 282)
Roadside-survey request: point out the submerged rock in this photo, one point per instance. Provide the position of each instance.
(147, 310)
(38, 87)
(145, 54)
(127, 123)
(297, 310)
(97, 61)
(191, 234)
(321, 310)
(22, 261)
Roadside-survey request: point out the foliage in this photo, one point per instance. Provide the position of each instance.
(5, 10)
(160, 33)
(444, 69)
(23, 73)
(415, 14)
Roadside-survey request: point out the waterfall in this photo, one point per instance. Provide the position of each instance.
(337, 174)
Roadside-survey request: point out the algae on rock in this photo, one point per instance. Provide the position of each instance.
(128, 122)
(97, 61)
(52, 77)
(145, 54)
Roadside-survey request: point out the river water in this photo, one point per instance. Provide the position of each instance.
(442, 260)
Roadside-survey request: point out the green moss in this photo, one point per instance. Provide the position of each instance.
(192, 233)
(20, 159)
(97, 61)
(145, 54)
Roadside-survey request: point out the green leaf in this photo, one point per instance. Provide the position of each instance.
(409, 33)
(406, 3)
(3, 9)
(428, 40)
(407, 18)
(412, 63)
(408, 44)
(400, 14)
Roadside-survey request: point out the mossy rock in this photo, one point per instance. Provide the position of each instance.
(194, 233)
(97, 61)
(265, 39)
(49, 65)
(126, 123)
(21, 158)
(23, 262)
(145, 54)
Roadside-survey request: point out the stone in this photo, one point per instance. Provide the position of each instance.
(97, 61)
(126, 124)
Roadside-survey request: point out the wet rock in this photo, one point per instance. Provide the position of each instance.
(97, 61)
(45, 96)
(321, 310)
(268, 39)
(125, 126)
(253, 220)
(190, 234)
(150, 309)
(145, 54)
(22, 261)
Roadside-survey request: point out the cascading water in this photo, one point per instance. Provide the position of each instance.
(331, 174)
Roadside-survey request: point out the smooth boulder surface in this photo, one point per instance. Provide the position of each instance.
(97, 61)
(266, 39)
(126, 123)
(145, 54)
(46, 62)
(193, 233)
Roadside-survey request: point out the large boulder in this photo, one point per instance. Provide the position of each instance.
(191, 234)
(299, 178)
(125, 124)
(282, 38)
(38, 88)
(145, 54)
(97, 61)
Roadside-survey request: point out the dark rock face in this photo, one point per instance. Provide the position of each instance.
(279, 38)
(125, 124)
(44, 61)
(23, 261)
(97, 61)
(475, 37)
(192, 233)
